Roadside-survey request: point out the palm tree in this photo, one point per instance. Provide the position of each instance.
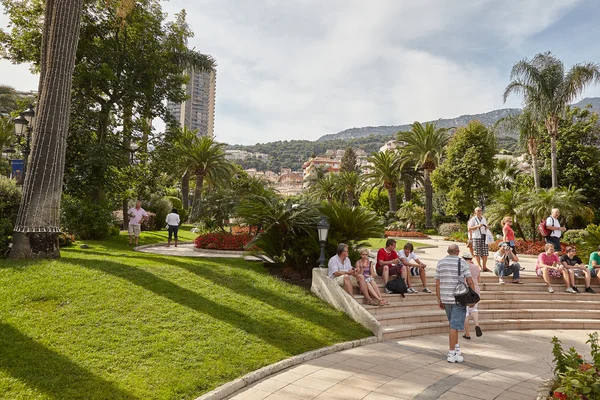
(409, 175)
(411, 214)
(38, 221)
(384, 173)
(204, 158)
(319, 173)
(506, 172)
(547, 91)
(425, 146)
(507, 203)
(349, 184)
(324, 188)
(8, 100)
(529, 134)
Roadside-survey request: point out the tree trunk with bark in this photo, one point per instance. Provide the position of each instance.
(196, 205)
(428, 199)
(552, 127)
(392, 198)
(185, 190)
(407, 190)
(38, 221)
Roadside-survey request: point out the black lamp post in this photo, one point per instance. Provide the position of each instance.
(323, 229)
(23, 127)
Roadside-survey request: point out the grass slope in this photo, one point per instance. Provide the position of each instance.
(107, 322)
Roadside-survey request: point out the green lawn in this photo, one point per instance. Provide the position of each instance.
(378, 243)
(110, 323)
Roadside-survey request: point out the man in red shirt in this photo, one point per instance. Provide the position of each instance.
(388, 263)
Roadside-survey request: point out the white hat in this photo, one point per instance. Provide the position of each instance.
(467, 254)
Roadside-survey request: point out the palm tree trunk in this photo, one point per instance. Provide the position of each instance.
(350, 196)
(428, 199)
(38, 221)
(127, 134)
(196, 205)
(407, 191)
(185, 190)
(536, 171)
(392, 198)
(552, 127)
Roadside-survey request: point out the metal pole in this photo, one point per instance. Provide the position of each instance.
(26, 151)
(322, 256)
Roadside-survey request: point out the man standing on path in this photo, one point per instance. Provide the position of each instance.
(555, 229)
(478, 230)
(136, 217)
(446, 279)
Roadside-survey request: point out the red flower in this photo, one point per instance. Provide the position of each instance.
(559, 395)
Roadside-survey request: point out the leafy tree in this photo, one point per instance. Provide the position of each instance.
(466, 174)
(425, 146)
(409, 175)
(349, 161)
(375, 201)
(384, 174)
(8, 100)
(547, 91)
(411, 214)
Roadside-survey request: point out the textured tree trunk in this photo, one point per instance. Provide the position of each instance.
(392, 198)
(407, 191)
(38, 221)
(185, 190)
(350, 195)
(552, 127)
(127, 134)
(196, 205)
(536, 171)
(428, 199)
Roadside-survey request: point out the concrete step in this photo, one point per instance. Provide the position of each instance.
(409, 318)
(391, 332)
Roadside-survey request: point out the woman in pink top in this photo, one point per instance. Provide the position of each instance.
(508, 235)
(548, 265)
(472, 311)
(364, 266)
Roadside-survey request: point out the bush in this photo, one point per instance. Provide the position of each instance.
(575, 236)
(447, 229)
(439, 219)
(86, 219)
(430, 231)
(149, 223)
(175, 202)
(223, 241)
(574, 376)
(66, 239)
(160, 207)
(10, 198)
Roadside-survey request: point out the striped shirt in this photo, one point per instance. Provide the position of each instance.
(446, 272)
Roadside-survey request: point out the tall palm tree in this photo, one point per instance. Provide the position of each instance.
(384, 173)
(529, 134)
(506, 172)
(507, 203)
(409, 175)
(425, 145)
(547, 91)
(350, 185)
(204, 158)
(38, 221)
(324, 188)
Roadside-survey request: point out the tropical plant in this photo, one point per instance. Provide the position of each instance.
(425, 146)
(507, 203)
(350, 225)
(8, 100)
(348, 163)
(324, 188)
(409, 175)
(319, 172)
(384, 174)
(547, 90)
(411, 215)
(350, 184)
(505, 173)
(203, 158)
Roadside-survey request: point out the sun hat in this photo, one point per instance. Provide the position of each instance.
(467, 254)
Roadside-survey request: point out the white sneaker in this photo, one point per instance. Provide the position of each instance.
(570, 290)
(411, 290)
(550, 290)
(501, 281)
(457, 350)
(388, 291)
(454, 358)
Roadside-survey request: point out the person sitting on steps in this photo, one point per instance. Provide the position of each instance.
(417, 268)
(341, 271)
(504, 257)
(364, 266)
(388, 263)
(575, 267)
(548, 265)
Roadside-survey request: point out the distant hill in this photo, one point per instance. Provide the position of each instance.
(488, 119)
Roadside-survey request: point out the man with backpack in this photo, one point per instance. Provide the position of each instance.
(555, 230)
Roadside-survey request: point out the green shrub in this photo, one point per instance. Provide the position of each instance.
(10, 198)
(66, 239)
(175, 202)
(86, 219)
(439, 219)
(150, 222)
(160, 206)
(447, 229)
(430, 231)
(574, 236)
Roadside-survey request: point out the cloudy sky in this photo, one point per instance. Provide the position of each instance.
(299, 69)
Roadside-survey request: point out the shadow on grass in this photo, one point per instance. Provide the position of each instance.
(49, 372)
(269, 331)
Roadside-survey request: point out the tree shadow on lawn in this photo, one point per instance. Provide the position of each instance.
(50, 372)
(270, 332)
(249, 286)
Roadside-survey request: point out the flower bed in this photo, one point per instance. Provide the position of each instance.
(410, 234)
(526, 247)
(223, 241)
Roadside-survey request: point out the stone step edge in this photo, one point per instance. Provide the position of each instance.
(230, 388)
(484, 311)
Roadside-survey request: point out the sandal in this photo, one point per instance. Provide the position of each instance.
(383, 303)
(467, 337)
(517, 282)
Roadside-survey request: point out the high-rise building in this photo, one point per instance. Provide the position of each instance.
(198, 111)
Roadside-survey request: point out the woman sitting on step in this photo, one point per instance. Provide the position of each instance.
(364, 266)
(548, 265)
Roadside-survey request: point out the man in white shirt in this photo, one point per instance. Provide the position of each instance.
(478, 231)
(136, 217)
(553, 225)
(417, 268)
(340, 270)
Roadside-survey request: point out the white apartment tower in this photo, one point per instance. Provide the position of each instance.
(198, 111)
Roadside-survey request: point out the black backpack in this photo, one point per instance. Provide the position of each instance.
(397, 286)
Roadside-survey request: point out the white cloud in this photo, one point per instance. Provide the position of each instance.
(301, 69)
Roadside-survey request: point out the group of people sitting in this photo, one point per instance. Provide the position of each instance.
(389, 262)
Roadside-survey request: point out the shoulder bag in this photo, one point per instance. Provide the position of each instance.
(463, 294)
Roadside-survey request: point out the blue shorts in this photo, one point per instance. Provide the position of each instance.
(456, 316)
(555, 241)
(593, 273)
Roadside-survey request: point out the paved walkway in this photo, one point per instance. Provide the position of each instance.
(508, 365)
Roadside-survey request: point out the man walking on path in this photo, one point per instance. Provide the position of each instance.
(446, 279)
(136, 217)
(555, 229)
(477, 227)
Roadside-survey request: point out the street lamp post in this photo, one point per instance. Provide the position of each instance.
(323, 229)
(23, 127)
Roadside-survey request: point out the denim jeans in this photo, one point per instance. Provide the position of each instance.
(456, 315)
(514, 269)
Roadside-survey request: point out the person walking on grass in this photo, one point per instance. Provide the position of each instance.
(173, 222)
(478, 229)
(472, 312)
(446, 279)
(137, 215)
(341, 271)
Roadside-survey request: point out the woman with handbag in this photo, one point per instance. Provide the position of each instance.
(364, 266)
(472, 310)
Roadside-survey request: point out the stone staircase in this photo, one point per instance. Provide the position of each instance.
(502, 307)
